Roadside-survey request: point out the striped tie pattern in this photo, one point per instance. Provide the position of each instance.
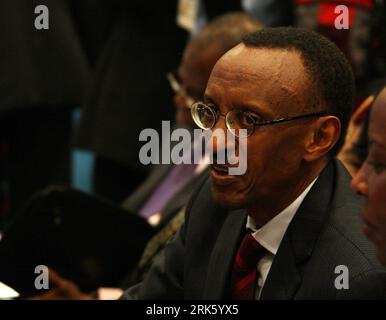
(244, 275)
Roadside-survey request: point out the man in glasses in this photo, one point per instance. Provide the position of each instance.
(288, 228)
(163, 195)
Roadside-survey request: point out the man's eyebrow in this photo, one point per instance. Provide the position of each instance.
(260, 109)
(253, 107)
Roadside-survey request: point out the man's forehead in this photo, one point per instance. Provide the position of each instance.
(281, 72)
(274, 77)
(252, 59)
(235, 51)
(243, 51)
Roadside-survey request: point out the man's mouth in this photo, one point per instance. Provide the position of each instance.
(220, 169)
(220, 175)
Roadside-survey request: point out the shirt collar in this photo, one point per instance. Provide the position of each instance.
(271, 234)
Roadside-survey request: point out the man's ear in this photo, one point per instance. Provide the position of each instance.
(323, 135)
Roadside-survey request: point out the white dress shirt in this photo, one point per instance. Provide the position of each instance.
(271, 234)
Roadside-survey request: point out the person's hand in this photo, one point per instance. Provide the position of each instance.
(354, 131)
(62, 289)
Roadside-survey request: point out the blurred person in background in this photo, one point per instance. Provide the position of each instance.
(370, 182)
(357, 40)
(272, 13)
(355, 148)
(363, 44)
(43, 74)
(128, 83)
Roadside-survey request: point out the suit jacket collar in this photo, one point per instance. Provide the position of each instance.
(295, 249)
(222, 258)
(300, 238)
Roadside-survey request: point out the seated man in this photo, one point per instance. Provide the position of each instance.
(162, 197)
(288, 227)
(370, 181)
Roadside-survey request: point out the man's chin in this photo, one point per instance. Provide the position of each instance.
(228, 199)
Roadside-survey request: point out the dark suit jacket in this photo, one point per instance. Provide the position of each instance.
(326, 232)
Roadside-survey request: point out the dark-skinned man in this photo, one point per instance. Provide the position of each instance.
(370, 180)
(153, 199)
(288, 227)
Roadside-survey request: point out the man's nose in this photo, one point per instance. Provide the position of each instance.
(359, 183)
(218, 135)
(222, 139)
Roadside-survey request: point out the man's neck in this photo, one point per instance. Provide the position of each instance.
(272, 207)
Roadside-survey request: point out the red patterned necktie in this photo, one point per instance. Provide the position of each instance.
(243, 281)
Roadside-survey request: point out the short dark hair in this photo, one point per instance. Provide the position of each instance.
(329, 70)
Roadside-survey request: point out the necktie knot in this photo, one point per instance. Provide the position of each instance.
(249, 253)
(244, 273)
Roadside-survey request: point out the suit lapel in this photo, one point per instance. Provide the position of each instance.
(283, 278)
(222, 258)
(300, 238)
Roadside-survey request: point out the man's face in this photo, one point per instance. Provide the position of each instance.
(370, 181)
(270, 83)
(193, 74)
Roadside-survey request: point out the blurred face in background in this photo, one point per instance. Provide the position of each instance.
(371, 179)
(192, 76)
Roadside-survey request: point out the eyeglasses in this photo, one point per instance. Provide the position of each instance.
(207, 115)
(177, 88)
